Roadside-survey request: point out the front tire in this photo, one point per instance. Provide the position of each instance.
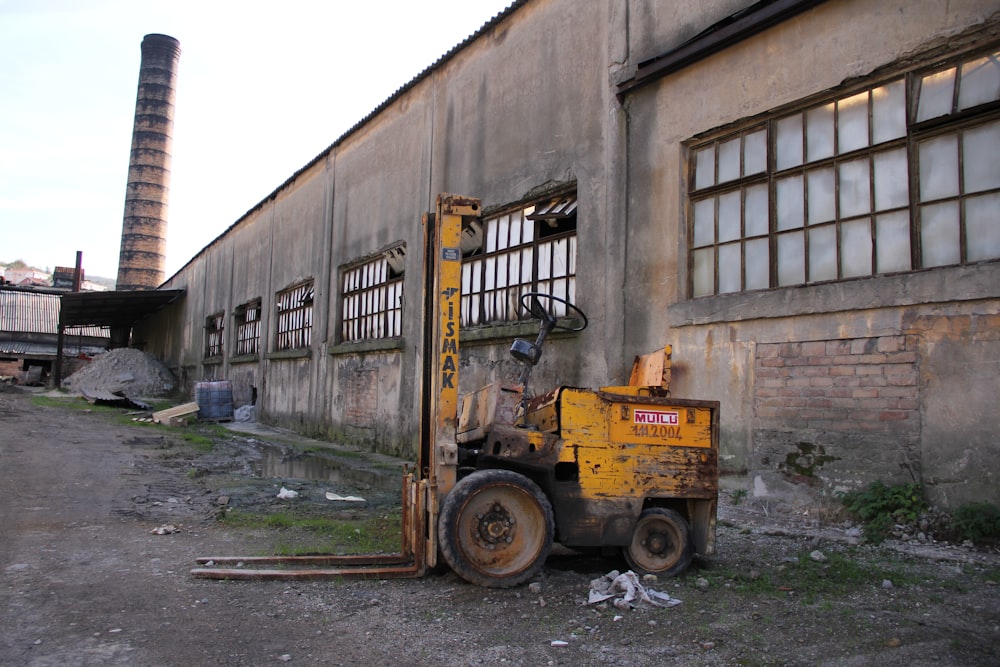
(496, 528)
(661, 543)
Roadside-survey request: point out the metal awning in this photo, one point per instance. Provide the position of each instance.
(113, 309)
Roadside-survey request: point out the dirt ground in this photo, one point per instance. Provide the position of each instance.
(86, 581)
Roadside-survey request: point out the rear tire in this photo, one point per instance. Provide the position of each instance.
(661, 543)
(496, 528)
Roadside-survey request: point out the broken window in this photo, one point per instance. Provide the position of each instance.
(214, 335)
(528, 249)
(294, 310)
(372, 292)
(248, 328)
(854, 186)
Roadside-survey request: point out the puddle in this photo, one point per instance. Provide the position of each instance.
(275, 462)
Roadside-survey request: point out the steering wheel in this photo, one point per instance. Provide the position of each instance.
(536, 309)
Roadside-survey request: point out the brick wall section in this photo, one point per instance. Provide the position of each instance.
(860, 385)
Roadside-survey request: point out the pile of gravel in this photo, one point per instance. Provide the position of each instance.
(127, 370)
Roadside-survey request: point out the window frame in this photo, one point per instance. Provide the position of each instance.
(701, 196)
(294, 309)
(372, 296)
(492, 284)
(246, 336)
(215, 335)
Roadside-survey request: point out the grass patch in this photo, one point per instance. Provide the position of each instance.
(839, 575)
(325, 534)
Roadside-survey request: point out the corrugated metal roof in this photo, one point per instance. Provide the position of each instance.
(26, 311)
(24, 349)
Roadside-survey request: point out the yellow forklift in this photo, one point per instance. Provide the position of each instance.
(503, 475)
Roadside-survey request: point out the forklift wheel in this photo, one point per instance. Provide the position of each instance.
(496, 528)
(661, 543)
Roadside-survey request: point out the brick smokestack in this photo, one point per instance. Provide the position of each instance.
(142, 261)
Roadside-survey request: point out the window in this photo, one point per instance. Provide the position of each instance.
(294, 317)
(373, 297)
(248, 328)
(529, 249)
(214, 334)
(854, 186)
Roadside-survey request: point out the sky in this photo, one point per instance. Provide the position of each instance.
(261, 91)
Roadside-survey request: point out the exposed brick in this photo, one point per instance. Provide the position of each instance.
(814, 371)
(813, 348)
(873, 381)
(869, 392)
(768, 350)
(771, 362)
(842, 370)
(869, 370)
(891, 343)
(837, 347)
(790, 350)
(901, 358)
(908, 391)
(864, 345)
(821, 381)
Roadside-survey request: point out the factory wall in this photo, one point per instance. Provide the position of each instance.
(824, 385)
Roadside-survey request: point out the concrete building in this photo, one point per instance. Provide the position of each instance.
(800, 196)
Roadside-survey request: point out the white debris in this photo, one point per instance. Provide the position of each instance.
(626, 591)
(330, 495)
(285, 494)
(167, 529)
(245, 413)
(558, 642)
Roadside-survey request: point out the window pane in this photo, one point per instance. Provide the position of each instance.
(704, 272)
(503, 232)
(939, 239)
(822, 191)
(819, 132)
(790, 205)
(755, 153)
(730, 268)
(729, 216)
(755, 210)
(981, 158)
(892, 186)
(789, 142)
(560, 255)
(704, 222)
(856, 248)
(982, 227)
(935, 97)
(491, 235)
(938, 164)
(823, 253)
(888, 112)
(791, 259)
(892, 242)
(758, 263)
(855, 188)
(704, 167)
(980, 82)
(729, 160)
(852, 123)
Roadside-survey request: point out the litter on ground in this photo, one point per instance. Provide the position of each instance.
(626, 592)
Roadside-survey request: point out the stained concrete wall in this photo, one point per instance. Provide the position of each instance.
(532, 104)
(874, 394)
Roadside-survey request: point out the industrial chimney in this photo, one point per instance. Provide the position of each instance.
(142, 261)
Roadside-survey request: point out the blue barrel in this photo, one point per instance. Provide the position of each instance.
(214, 399)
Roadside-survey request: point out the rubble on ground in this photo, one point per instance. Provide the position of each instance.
(126, 370)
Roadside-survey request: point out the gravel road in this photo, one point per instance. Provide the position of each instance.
(87, 581)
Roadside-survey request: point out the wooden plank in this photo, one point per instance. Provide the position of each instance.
(177, 411)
